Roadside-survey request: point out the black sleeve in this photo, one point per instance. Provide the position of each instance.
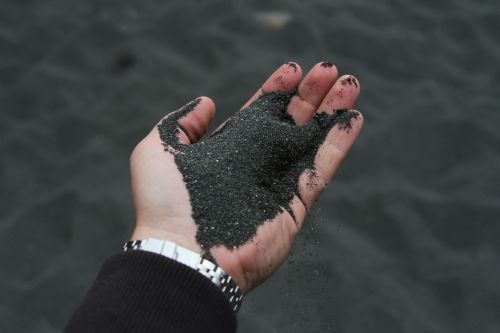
(139, 291)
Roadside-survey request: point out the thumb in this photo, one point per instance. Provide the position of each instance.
(188, 124)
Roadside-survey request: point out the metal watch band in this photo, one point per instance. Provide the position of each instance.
(192, 259)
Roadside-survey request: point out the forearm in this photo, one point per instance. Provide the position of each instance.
(138, 291)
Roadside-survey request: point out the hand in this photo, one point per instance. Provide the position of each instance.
(242, 195)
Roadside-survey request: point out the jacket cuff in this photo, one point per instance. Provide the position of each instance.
(138, 291)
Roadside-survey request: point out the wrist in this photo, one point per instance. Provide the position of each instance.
(224, 257)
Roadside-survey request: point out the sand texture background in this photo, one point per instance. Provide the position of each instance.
(406, 238)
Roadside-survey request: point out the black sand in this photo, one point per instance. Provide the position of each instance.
(247, 172)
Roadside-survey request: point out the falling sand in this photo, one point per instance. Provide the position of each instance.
(247, 172)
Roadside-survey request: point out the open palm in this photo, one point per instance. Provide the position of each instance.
(163, 202)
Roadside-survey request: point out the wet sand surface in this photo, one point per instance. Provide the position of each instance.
(405, 239)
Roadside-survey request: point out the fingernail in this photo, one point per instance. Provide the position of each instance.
(350, 80)
(293, 64)
(326, 64)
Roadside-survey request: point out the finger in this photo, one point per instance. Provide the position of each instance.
(194, 124)
(328, 158)
(342, 95)
(286, 78)
(312, 90)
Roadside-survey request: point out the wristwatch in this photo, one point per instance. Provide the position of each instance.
(192, 259)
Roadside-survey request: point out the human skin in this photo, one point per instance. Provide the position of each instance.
(161, 199)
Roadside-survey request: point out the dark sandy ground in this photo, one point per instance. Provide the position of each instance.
(406, 239)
